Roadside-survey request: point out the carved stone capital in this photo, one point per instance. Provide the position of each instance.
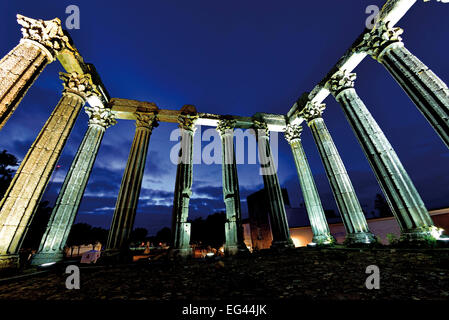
(100, 116)
(47, 33)
(292, 132)
(379, 38)
(312, 110)
(226, 126)
(187, 121)
(80, 84)
(340, 81)
(146, 120)
(261, 128)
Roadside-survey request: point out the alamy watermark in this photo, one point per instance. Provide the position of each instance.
(244, 146)
(73, 280)
(73, 20)
(373, 281)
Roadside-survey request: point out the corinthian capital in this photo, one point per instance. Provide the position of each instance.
(292, 132)
(47, 33)
(340, 81)
(146, 120)
(261, 128)
(312, 110)
(80, 84)
(187, 121)
(100, 116)
(226, 126)
(379, 38)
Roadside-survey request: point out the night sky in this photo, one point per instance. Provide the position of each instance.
(229, 57)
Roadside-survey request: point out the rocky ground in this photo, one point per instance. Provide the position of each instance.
(303, 273)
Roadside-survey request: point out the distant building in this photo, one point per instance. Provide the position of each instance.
(302, 235)
(259, 221)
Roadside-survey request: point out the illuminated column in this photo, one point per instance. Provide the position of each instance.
(231, 195)
(128, 197)
(30, 180)
(278, 216)
(357, 230)
(402, 196)
(51, 248)
(41, 42)
(317, 218)
(183, 188)
(425, 88)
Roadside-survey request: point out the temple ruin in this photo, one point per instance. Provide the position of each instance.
(43, 42)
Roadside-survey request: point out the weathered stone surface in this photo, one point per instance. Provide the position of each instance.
(315, 212)
(403, 198)
(183, 187)
(67, 204)
(128, 197)
(425, 88)
(278, 216)
(351, 212)
(18, 71)
(429, 93)
(231, 194)
(30, 180)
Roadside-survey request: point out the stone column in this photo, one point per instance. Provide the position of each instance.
(231, 195)
(128, 197)
(317, 218)
(402, 196)
(26, 189)
(278, 216)
(183, 188)
(357, 230)
(425, 88)
(52, 245)
(41, 42)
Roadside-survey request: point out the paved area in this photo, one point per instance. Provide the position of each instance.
(331, 274)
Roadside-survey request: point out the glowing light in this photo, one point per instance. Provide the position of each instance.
(296, 242)
(210, 254)
(47, 264)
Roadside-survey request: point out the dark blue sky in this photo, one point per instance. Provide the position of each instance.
(229, 57)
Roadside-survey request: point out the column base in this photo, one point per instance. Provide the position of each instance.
(360, 238)
(181, 253)
(423, 234)
(9, 261)
(281, 245)
(41, 258)
(322, 240)
(235, 249)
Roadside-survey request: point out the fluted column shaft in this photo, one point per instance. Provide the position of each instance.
(315, 212)
(128, 197)
(400, 192)
(355, 223)
(231, 194)
(183, 188)
(278, 216)
(425, 88)
(52, 245)
(28, 185)
(41, 41)
(18, 71)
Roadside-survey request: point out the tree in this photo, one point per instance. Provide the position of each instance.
(7, 161)
(382, 207)
(138, 234)
(210, 231)
(83, 233)
(163, 235)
